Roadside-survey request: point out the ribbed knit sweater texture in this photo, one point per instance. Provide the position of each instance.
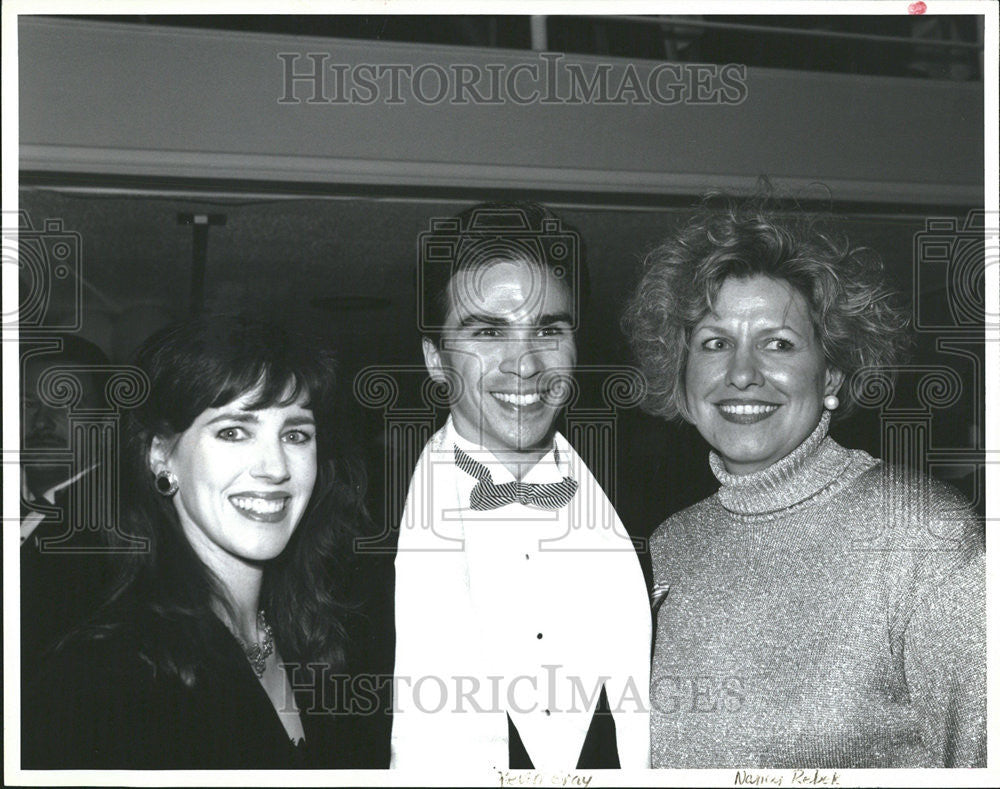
(823, 612)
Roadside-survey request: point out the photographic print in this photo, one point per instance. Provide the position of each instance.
(512, 394)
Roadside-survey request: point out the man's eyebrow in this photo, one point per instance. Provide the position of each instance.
(480, 319)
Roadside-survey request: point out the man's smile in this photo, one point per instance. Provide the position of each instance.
(519, 400)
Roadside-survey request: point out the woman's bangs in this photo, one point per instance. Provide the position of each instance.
(280, 387)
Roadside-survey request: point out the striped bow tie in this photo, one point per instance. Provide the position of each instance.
(487, 495)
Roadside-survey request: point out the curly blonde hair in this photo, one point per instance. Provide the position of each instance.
(857, 319)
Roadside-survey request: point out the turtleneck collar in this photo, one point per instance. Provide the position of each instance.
(804, 472)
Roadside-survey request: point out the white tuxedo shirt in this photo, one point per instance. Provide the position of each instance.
(518, 610)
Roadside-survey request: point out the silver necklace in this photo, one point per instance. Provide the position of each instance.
(257, 654)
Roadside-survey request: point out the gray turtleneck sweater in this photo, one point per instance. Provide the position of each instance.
(822, 612)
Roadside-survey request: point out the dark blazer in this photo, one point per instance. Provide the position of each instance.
(98, 703)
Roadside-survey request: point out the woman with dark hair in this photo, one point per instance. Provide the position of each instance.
(820, 609)
(222, 641)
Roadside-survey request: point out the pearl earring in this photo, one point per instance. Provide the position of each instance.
(831, 402)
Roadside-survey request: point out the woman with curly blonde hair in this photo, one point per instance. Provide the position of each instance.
(821, 609)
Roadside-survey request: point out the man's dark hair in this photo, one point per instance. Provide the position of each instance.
(489, 233)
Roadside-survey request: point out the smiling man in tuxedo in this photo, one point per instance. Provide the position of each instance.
(522, 622)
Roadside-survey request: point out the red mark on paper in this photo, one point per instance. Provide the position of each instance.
(917, 8)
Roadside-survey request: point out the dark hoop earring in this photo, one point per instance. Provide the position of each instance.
(166, 483)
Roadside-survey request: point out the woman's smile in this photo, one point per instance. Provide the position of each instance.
(267, 507)
(745, 412)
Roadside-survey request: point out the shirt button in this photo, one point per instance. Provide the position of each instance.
(539, 636)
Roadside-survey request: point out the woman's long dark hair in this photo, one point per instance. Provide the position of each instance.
(207, 363)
